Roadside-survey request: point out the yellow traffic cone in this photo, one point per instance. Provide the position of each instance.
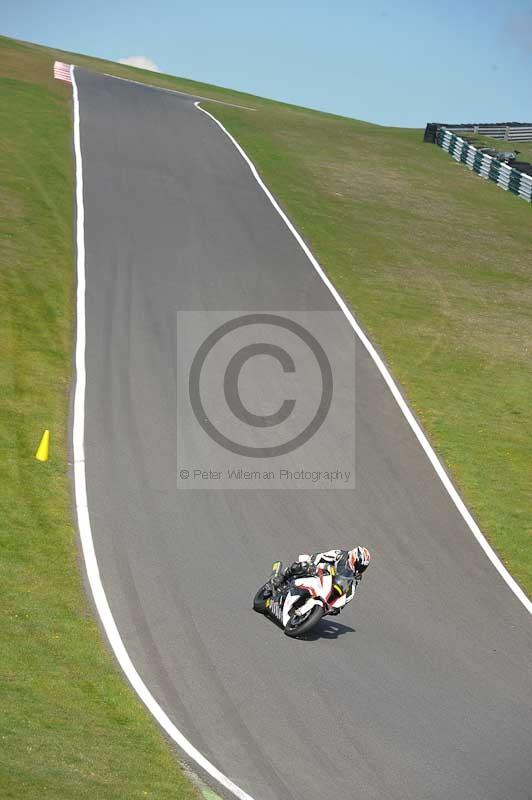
(42, 450)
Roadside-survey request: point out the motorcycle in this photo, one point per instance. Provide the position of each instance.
(298, 604)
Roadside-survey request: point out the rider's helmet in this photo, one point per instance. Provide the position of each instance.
(358, 559)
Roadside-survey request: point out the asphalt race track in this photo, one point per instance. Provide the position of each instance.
(422, 688)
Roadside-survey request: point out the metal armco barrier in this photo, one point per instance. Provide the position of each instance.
(509, 131)
(504, 175)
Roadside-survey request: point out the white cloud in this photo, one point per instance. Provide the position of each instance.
(142, 62)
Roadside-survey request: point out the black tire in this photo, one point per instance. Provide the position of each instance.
(259, 601)
(294, 628)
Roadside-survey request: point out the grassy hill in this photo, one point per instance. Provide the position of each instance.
(433, 261)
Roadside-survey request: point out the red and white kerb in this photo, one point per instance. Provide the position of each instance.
(62, 71)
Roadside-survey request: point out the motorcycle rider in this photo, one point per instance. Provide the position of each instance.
(357, 560)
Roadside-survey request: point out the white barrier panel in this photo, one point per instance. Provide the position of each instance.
(488, 168)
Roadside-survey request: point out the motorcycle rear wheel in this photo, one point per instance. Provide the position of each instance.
(298, 626)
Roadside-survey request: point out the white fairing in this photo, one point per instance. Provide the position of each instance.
(288, 603)
(320, 588)
(342, 601)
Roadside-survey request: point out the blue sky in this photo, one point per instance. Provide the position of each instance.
(401, 63)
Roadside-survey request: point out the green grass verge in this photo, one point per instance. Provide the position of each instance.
(70, 727)
(434, 262)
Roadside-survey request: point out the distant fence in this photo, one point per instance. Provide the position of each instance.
(504, 175)
(509, 131)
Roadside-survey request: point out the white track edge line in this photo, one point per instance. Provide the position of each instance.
(176, 91)
(401, 402)
(80, 490)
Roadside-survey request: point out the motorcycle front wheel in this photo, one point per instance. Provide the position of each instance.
(299, 625)
(259, 601)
